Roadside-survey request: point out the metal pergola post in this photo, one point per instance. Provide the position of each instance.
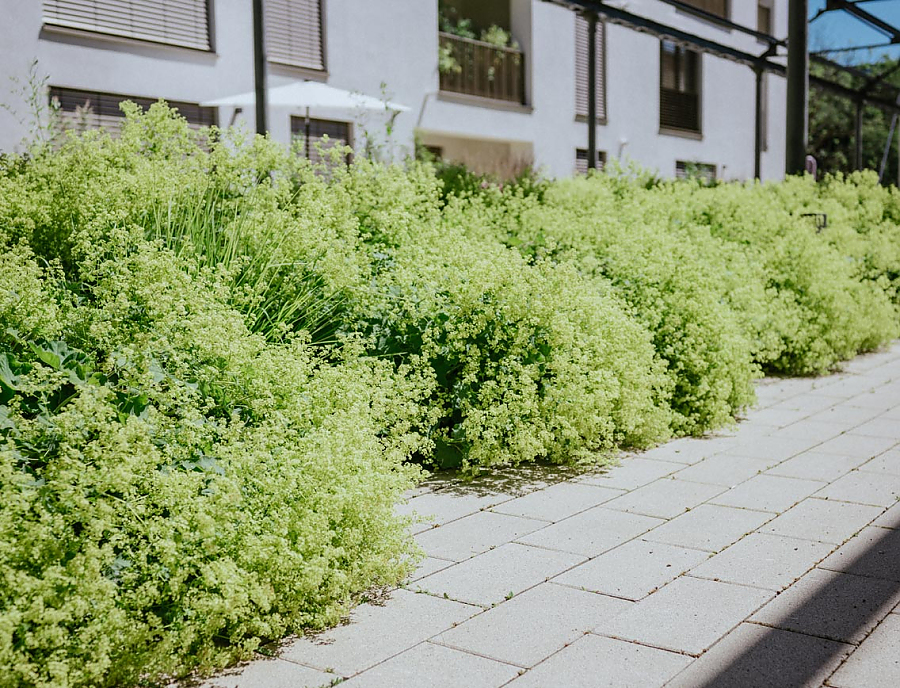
(259, 67)
(858, 135)
(592, 90)
(797, 125)
(758, 132)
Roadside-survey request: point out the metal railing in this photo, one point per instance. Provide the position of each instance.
(482, 69)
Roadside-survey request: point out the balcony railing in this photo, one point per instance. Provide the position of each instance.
(481, 69)
(678, 110)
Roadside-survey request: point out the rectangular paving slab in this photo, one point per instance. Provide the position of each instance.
(888, 463)
(709, 527)
(838, 606)
(688, 615)
(491, 577)
(435, 666)
(822, 520)
(592, 532)
(272, 673)
(878, 489)
(764, 561)
(876, 663)
(856, 446)
(768, 493)
(437, 508)
(530, 627)
(753, 656)
(665, 498)
(475, 534)
(376, 632)
(816, 465)
(558, 501)
(633, 570)
(726, 470)
(596, 662)
(634, 472)
(872, 552)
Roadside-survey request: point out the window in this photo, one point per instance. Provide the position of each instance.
(764, 18)
(294, 33)
(695, 170)
(679, 87)
(716, 7)
(581, 69)
(338, 134)
(174, 22)
(581, 160)
(82, 110)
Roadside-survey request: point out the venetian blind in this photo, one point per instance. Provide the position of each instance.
(581, 69)
(294, 32)
(82, 110)
(174, 22)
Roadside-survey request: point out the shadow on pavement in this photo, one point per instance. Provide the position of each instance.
(809, 627)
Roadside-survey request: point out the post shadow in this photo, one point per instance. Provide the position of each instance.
(795, 649)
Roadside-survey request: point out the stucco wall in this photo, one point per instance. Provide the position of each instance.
(390, 47)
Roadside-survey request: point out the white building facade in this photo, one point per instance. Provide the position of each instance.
(502, 85)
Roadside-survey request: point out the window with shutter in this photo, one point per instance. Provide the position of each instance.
(82, 110)
(581, 68)
(581, 160)
(679, 87)
(183, 23)
(338, 134)
(294, 33)
(716, 7)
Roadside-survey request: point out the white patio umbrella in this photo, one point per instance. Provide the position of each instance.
(309, 94)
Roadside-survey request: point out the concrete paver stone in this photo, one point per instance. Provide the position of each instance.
(726, 470)
(491, 577)
(764, 561)
(768, 493)
(856, 446)
(822, 520)
(597, 662)
(827, 604)
(889, 462)
(592, 532)
(872, 552)
(558, 501)
(633, 570)
(665, 498)
(475, 534)
(816, 465)
(876, 663)
(687, 615)
(376, 632)
(633, 473)
(753, 656)
(878, 489)
(435, 666)
(532, 626)
(271, 673)
(709, 527)
(889, 519)
(437, 508)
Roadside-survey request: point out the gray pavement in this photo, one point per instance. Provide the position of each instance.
(764, 556)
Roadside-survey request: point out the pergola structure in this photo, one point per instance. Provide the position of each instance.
(794, 46)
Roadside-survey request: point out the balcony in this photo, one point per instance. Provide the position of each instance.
(478, 68)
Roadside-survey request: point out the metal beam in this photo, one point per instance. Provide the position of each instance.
(721, 21)
(865, 17)
(797, 125)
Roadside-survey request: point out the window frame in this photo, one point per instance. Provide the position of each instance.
(297, 67)
(581, 116)
(681, 75)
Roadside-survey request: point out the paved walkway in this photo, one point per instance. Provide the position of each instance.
(765, 557)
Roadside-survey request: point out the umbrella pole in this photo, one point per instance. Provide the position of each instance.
(306, 135)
